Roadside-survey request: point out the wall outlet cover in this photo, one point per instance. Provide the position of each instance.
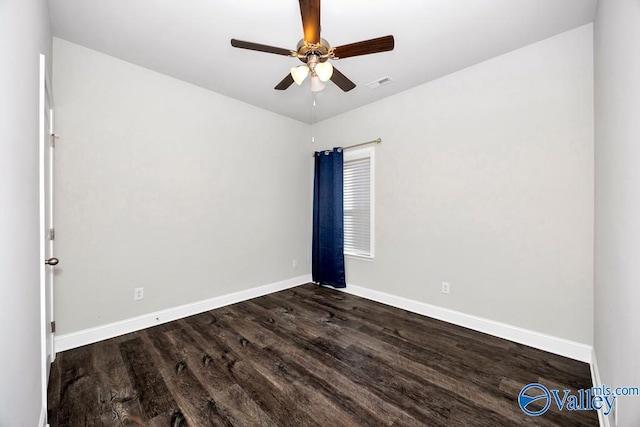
(445, 287)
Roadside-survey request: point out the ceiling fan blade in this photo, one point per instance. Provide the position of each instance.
(366, 47)
(310, 12)
(342, 81)
(260, 47)
(285, 83)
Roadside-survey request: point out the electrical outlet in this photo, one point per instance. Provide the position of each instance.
(295, 263)
(138, 294)
(445, 287)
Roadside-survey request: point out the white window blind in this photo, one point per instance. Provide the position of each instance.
(357, 207)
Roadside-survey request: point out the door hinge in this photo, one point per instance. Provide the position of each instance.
(53, 326)
(52, 139)
(52, 234)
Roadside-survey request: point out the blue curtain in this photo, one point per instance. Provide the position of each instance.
(328, 219)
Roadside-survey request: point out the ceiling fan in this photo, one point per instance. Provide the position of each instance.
(315, 52)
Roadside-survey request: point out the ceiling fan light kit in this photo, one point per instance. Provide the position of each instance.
(315, 52)
(316, 84)
(299, 73)
(323, 70)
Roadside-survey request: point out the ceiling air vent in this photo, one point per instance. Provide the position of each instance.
(380, 82)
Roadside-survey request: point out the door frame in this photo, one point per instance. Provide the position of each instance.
(45, 133)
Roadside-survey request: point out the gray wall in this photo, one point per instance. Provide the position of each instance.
(170, 187)
(484, 179)
(617, 218)
(24, 34)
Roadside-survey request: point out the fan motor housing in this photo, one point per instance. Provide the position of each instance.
(322, 50)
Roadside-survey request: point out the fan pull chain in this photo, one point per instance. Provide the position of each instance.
(313, 117)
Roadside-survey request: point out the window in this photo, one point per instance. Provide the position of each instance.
(358, 202)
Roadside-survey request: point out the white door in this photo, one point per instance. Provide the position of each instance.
(47, 272)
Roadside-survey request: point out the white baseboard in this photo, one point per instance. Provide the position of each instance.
(99, 333)
(563, 347)
(560, 346)
(603, 419)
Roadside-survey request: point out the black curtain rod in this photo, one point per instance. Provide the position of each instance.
(375, 141)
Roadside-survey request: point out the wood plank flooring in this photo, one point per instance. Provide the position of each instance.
(307, 356)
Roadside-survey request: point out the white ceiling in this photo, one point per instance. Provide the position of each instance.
(189, 40)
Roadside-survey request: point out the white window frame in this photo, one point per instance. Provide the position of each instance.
(357, 154)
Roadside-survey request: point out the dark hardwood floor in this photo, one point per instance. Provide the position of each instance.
(307, 356)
